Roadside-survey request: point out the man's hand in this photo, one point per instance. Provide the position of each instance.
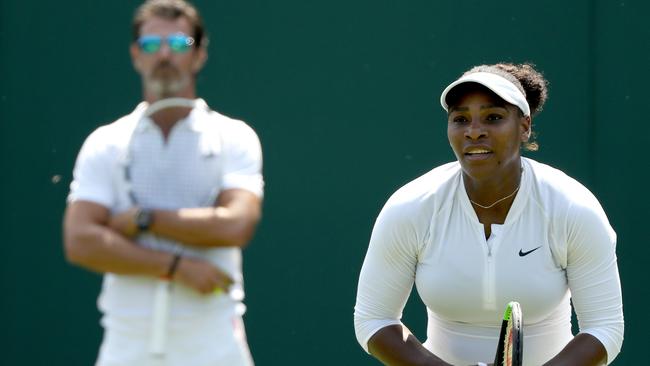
(202, 276)
(124, 223)
(196, 273)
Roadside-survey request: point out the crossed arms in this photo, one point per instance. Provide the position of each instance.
(95, 240)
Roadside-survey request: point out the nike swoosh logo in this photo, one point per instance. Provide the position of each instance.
(522, 253)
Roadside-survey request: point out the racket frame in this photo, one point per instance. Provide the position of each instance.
(511, 337)
(162, 291)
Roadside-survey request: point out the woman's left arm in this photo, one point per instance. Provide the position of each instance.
(592, 274)
(584, 349)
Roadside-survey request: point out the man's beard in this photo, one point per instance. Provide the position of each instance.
(165, 81)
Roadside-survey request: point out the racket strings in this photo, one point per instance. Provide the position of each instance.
(508, 346)
(157, 174)
(172, 176)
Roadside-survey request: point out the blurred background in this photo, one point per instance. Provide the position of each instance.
(344, 96)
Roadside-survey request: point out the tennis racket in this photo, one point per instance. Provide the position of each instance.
(511, 338)
(160, 311)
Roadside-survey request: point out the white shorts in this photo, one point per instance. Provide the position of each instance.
(218, 340)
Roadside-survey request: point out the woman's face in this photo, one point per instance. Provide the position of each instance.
(485, 134)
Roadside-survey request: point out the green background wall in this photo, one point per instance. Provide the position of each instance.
(344, 96)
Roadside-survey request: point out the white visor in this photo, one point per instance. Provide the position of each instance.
(501, 86)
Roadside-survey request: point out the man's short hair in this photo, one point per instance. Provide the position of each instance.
(172, 10)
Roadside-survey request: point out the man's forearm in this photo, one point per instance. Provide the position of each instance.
(230, 223)
(100, 249)
(204, 227)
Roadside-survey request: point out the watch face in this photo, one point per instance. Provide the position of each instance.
(143, 220)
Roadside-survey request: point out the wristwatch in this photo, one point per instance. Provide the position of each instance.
(143, 219)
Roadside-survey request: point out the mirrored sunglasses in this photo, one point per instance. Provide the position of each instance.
(178, 43)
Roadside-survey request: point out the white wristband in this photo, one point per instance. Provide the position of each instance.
(481, 364)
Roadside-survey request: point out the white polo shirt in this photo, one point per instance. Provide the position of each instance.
(204, 154)
(556, 244)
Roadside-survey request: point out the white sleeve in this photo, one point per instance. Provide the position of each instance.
(387, 274)
(92, 173)
(593, 277)
(243, 159)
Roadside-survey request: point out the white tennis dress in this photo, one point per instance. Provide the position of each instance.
(555, 245)
(204, 154)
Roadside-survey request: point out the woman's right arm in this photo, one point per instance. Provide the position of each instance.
(395, 345)
(385, 282)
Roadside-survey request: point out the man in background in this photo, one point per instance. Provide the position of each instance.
(162, 202)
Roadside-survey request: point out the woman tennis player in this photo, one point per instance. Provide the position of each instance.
(486, 229)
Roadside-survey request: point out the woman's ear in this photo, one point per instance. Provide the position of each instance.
(527, 127)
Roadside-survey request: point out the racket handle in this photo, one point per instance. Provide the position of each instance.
(159, 319)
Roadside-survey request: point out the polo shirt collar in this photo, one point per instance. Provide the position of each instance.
(194, 121)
